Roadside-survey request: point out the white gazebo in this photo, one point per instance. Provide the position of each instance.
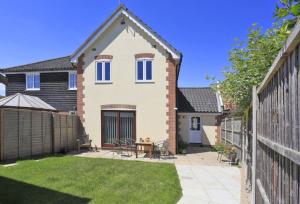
(23, 101)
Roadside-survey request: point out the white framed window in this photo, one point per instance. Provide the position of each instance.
(144, 70)
(33, 81)
(103, 71)
(72, 80)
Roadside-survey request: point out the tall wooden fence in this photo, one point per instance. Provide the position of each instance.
(231, 133)
(26, 133)
(276, 135)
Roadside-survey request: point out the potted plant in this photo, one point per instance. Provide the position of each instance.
(232, 155)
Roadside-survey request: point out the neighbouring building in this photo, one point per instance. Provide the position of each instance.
(199, 115)
(123, 83)
(53, 81)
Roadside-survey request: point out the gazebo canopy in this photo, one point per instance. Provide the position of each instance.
(24, 101)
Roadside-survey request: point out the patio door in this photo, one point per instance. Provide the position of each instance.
(117, 125)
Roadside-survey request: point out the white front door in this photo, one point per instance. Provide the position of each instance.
(195, 130)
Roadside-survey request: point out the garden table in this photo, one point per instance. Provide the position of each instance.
(144, 144)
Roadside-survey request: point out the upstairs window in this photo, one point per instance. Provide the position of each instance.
(103, 71)
(33, 81)
(72, 80)
(144, 70)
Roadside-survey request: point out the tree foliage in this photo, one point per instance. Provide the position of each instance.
(251, 59)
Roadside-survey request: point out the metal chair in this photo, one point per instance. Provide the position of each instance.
(118, 147)
(130, 145)
(161, 149)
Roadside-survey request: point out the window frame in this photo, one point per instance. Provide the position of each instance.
(198, 128)
(33, 74)
(103, 81)
(72, 72)
(144, 80)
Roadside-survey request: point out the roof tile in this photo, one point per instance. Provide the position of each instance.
(202, 99)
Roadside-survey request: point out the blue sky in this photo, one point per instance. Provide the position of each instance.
(204, 31)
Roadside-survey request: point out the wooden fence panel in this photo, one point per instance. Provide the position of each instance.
(276, 155)
(24, 133)
(10, 134)
(47, 132)
(70, 138)
(56, 137)
(231, 133)
(37, 136)
(63, 133)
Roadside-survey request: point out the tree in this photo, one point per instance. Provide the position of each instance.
(251, 59)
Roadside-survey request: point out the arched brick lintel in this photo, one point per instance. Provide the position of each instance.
(118, 106)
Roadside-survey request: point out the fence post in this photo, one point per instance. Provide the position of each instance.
(225, 131)
(232, 131)
(254, 136)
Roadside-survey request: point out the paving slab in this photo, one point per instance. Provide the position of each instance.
(204, 179)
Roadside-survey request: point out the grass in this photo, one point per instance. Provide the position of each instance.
(70, 179)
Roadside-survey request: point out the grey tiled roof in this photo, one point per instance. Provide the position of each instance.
(62, 63)
(202, 99)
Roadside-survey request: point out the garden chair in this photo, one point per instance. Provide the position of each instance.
(130, 146)
(84, 143)
(118, 147)
(161, 149)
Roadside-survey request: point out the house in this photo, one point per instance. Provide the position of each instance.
(126, 84)
(199, 115)
(53, 81)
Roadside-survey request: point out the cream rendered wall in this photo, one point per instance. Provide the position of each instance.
(209, 127)
(123, 42)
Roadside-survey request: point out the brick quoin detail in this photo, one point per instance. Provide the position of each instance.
(171, 105)
(218, 128)
(144, 55)
(99, 57)
(80, 87)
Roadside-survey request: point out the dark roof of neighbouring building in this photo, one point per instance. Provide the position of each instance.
(57, 64)
(202, 99)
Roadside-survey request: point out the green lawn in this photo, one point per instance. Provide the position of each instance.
(69, 179)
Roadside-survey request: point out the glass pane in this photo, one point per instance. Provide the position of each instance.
(126, 125)
(148, 70)
(99, 71)
(29, 81)
(198, 123)
(195, 123)
(37, 81)
(73, 81)
(107, 71)
(140, 70)
(110, 127)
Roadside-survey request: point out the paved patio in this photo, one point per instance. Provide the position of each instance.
(203, 179)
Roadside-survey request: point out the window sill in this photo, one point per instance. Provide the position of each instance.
(33, 89)
(145, 82)
(103, 82)
(72, 89)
